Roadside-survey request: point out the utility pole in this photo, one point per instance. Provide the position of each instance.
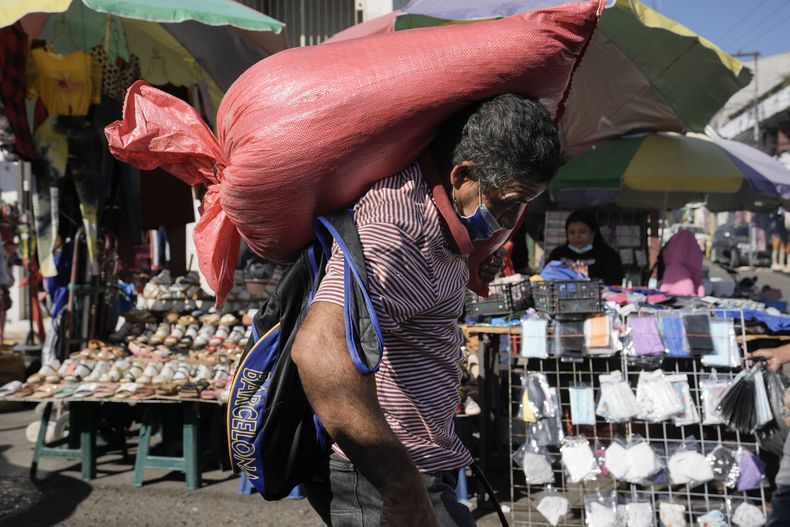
(756, 98)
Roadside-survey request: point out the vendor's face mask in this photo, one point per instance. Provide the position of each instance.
(481, 224)
(581, 250)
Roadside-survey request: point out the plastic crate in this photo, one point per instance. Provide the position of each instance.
(568, 296)
(503, 299)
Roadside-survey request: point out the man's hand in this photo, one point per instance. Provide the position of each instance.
(347, 405)
(775, 357)
(492, 265)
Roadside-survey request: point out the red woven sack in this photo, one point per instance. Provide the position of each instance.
(308, 130)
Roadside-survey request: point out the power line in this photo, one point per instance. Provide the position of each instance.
(773, 26)
(743, 19)
(749, 31)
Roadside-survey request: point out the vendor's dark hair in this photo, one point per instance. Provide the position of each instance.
(588, 218)
(508, 138)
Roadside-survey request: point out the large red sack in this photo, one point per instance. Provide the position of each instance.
(306, 131)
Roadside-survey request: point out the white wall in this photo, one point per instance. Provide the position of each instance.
(374, 8)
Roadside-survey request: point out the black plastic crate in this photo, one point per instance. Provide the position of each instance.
(503, 299)
(568, 296)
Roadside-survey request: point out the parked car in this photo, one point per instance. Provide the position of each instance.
(732, 247)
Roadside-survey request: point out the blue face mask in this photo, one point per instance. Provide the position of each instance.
(580, 250)
(481, 225)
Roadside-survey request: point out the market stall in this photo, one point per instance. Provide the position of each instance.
(629, 403)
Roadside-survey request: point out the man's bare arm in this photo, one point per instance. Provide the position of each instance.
(346, 403)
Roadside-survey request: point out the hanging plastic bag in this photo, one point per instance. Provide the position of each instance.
(526, 409)
(616, 402)
(745, 405)
(724, 463)
(712, 390)
(697, 327)
(534, 338)
(673, 333)
(553, 506)
(646, 337)
(639, 513)
(582, 405)
(687, 466)
(634, 462)
(535, 461)
(322, 123)
(775, 384)
(751, 470)
(672, 514)
(600, 510)
(578, 459)
(569, 340)
(726, 352)
(714, 518)
(748, 515)
(599, 336)
(657, 399)
(690, 414)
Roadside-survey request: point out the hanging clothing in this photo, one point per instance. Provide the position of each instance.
(67, 84)
(117, 75)
(13, 60)
(49, 170)
(682, 263)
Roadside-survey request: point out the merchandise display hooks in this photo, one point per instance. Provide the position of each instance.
(664, 437)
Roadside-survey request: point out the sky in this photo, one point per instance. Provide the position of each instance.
(734, 25)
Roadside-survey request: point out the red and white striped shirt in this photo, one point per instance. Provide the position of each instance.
(416, 282)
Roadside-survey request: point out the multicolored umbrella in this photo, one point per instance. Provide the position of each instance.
(181, 42)
(667, 170)
(641, 72)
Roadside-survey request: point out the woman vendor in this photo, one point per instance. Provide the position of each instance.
(587, 252)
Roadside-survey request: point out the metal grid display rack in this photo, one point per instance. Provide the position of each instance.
(665, 435)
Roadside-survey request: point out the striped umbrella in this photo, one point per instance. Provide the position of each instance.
(667, 170)
(642, 70)
(182, 42)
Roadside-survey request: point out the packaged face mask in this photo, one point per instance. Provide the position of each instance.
(578, 459)
(639, 514)
(656, 397)
(697, 326)
(645, 336)
(672, 514)
(554, 507)
(689, 415)
(535, 461)
(751, 470)
(601, 510)
(748, 515)
(617, 403)
(726, 353)
(534, 338)
(724, 464)
(712, 391)
(597, 333)
(688, 467)
(712, 519)
(582, 405)
(569, 340)
(673, 334)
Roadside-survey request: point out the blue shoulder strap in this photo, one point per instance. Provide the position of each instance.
(363, 333)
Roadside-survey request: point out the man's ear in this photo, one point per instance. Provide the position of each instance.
(460, 174)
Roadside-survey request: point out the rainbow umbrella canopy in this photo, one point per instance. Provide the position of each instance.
(181, 42)
(661, 171)
(641, 72)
